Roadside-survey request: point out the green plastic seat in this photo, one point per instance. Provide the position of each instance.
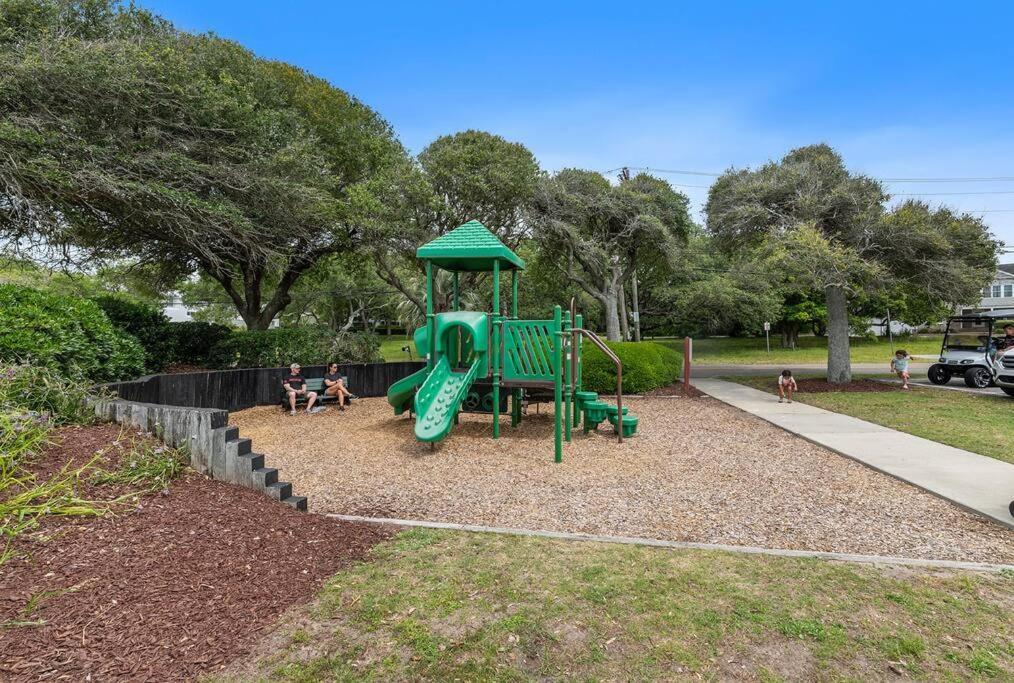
(629, 424)
(611, 411)
(586, 396)
(594, 414)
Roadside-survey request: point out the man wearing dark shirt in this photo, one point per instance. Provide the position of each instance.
(294, 386)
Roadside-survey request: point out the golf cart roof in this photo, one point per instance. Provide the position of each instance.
(986, 315)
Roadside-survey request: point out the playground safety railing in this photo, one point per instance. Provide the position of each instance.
(594, 338)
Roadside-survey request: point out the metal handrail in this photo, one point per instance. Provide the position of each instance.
(619, 375)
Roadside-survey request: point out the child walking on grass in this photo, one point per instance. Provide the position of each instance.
(786, 385)
(899, 366)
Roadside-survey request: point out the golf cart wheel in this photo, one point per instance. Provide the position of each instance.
(938, 374)
(978, 378)
(1008, 390)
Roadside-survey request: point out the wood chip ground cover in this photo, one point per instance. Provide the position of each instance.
(438, 605)
(179, 584)
(698, 470)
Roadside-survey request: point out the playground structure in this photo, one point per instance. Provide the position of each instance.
(524, 358)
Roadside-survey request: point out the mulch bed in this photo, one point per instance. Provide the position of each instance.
(178, 585)
(676, 390)
(816, 385)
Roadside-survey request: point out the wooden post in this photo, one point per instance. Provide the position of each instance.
(688, 352)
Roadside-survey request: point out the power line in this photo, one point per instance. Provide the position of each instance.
(711, 174)
(939, 194)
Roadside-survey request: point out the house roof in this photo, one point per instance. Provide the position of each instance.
(1007, 268)
(469, 247)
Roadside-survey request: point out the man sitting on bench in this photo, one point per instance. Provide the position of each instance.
(334, 385)
(295, 385)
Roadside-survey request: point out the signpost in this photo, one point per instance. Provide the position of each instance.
(767, 335)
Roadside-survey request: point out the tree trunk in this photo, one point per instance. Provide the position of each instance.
(839, 366)
(609, 309)
(621, 295)
(635, 307)
(790, 335)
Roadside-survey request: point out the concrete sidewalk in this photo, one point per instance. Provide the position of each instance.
(973, 481)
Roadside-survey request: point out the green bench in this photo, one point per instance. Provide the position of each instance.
(313, 385)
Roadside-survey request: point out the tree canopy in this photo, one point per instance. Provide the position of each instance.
(597, 233)
(125, 137)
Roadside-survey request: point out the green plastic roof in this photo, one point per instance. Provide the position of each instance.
(469, 247)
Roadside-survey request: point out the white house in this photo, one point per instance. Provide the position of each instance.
(997, 294)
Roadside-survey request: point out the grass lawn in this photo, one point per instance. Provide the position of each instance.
(390, 348)
(981, 424)
(441, 605)
(720, 350)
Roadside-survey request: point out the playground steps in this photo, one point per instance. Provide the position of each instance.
(596, 412)
(246, 468)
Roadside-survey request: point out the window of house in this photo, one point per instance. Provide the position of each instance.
(996, 291)
(1008, 289)
(986, 290)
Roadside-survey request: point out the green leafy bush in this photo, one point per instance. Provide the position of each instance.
(646, 366)
(304, 345)
(165, 343)
(67, 334)
(192, 342)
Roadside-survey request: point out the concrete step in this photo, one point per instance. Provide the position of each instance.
(251, 461)
(298, 502)
(264, 477)
(280, 490)
(231, 433)
(239, 446)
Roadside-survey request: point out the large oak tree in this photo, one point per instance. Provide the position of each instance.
(122, 137)
(598, 233)
(835, 234)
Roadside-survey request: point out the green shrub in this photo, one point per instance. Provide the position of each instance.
(165, 343)
(192, 342)
(67, 334)
(284, 345)
(646, 366)
(41, 390)
(143, 322)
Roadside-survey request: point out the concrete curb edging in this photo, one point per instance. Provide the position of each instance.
(684, 545)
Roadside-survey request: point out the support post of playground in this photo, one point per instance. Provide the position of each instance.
(430, 330)
(557, 385)
(497, 324)
(566, 337)
(515, 392)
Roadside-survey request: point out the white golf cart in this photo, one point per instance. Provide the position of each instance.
(969, 350)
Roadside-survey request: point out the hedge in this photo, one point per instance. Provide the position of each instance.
(284, 345)
(165, 343)
(646, 366)
(67, 334)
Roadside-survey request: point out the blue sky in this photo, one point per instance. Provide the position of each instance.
(902, 90)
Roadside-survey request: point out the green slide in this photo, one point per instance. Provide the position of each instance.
(438, 400)
(401, 392)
